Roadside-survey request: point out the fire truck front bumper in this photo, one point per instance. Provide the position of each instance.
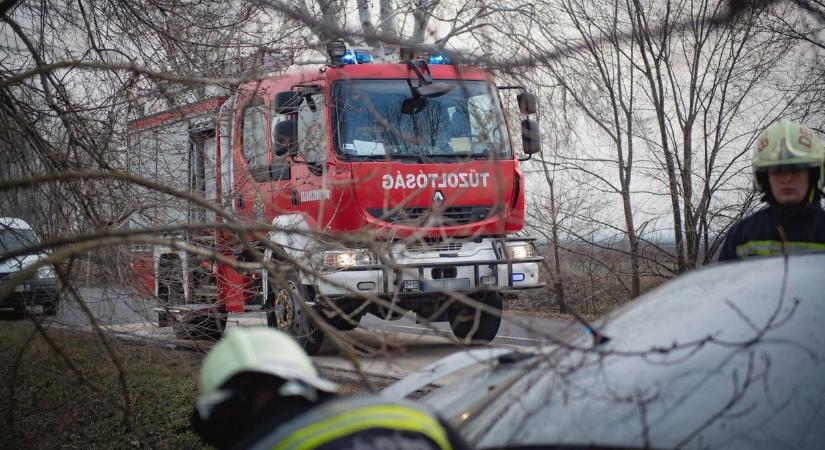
(504, 265)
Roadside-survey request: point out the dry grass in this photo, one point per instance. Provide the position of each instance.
(51, 408)
(595, 282)
(46, 407)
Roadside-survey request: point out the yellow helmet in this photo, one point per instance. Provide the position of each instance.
(787, 144)
(259, 350)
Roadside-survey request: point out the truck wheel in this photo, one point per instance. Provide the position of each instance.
(50, 309)
(474, 325)
(20, 308)
(206, 327)
(170, 292)
(286, 312)
(170, 286)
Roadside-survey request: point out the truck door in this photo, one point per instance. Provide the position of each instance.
(260, 182)
(201, 170)
(309, 191)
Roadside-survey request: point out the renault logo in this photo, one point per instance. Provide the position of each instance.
(438, 199)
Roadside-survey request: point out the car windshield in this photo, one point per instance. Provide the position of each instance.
(13, 239)
(385, 119)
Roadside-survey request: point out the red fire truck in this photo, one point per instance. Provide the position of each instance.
(385, 187)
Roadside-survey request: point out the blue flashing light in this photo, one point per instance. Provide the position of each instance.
(439, 58)
(355, 57)
(348, 57)
(518, 277)
(363, 57)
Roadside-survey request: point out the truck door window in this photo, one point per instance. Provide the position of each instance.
(312, 136)
(484, 120)
(254, 133)
(201, 169)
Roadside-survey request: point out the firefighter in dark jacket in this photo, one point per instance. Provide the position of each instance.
(788, 170)
(259, 390)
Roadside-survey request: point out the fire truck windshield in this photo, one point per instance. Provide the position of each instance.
(385, 120)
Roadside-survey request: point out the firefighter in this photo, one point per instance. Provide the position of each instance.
(788, 169)
(259, 390)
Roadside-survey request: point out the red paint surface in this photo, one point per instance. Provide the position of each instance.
(231, 288)
(142, 274)
(176, 114)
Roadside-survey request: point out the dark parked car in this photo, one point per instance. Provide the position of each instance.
(727, 357)
(42, 289)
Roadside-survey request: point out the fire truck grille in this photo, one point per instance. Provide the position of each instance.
(434, 247)
(454, 215)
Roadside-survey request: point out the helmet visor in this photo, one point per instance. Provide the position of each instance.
(787, 167)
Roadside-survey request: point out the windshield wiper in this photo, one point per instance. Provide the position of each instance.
(482, 155)
(447, 155)
(403, 158)
(387, 158)
(366, 157)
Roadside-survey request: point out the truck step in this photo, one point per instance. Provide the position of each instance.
(207, 293)
(253, 308)
(183, 309)
(206, 289)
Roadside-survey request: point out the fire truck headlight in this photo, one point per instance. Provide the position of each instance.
(45, 272)
(519, 250)
(345, 259)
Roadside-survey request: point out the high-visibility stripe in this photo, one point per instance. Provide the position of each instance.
(383, 416)
(767, 247)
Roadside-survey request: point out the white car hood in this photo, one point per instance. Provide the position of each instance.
(17, 263)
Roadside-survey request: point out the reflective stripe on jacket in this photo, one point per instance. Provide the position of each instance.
(765, 248)
(361, 422)
(776, 230)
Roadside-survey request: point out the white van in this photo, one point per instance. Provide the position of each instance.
(42, 289)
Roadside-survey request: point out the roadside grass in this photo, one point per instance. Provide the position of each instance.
(595, 281)
(47, 406)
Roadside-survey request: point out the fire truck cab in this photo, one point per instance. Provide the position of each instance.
(386, 186)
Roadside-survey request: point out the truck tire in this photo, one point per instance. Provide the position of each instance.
(285, 311)
(170, 283)
(205, 327)
(50, 309)
(473, 325)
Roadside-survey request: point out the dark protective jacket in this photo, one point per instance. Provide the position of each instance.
(359, 423)
(776, 230)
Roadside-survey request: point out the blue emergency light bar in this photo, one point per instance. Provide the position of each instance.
(340, 55)
(356, 57)
(439, 58)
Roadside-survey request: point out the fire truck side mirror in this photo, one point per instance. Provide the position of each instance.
(527, 103)
(285, 139)
(530, 137)
(286, 102)
(432, 90)
(413, 105)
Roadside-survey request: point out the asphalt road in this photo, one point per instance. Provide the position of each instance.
(388, 349)
(516, 329)
(111, 307)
